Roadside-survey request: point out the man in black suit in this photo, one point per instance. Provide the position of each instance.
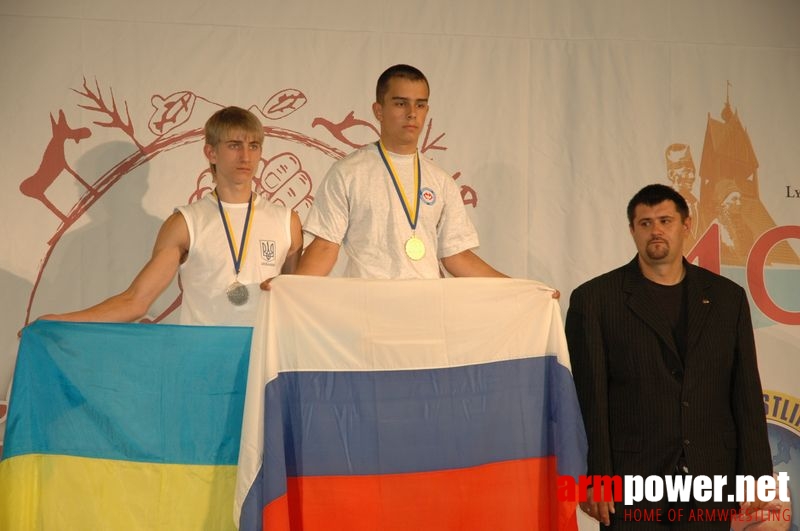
(664, 362)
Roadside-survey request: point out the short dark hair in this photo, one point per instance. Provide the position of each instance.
(403, 71)
(654, 194)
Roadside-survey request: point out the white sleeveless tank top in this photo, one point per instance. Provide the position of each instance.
(209, 270)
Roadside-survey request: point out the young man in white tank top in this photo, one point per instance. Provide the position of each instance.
(227, 245)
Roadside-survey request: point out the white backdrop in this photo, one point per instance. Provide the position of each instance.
(549, 113)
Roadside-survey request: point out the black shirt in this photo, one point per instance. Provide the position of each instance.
(671, 301)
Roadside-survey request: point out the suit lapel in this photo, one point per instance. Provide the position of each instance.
(642, 305)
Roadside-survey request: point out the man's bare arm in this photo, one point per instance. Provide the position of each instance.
(169, 251)
(319, 258)
(468, 264)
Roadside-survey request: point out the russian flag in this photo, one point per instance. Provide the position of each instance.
(125, 427)
(408, 404)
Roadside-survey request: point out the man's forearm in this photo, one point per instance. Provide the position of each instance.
(318, 258)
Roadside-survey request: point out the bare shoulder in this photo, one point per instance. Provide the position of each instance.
(174, 232)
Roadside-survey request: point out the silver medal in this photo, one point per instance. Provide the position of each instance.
(237, 293)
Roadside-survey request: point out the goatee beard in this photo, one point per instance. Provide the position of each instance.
(657, 253)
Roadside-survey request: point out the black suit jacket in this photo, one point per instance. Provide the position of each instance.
(642, 404)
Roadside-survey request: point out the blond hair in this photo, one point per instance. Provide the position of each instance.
(232, 118)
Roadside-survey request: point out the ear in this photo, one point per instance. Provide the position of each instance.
(687, 224)
(210, 153)
(377, 110)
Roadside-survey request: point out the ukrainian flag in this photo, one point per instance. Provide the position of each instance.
(123, 427)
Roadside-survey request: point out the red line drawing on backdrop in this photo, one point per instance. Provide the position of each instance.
(337, 129)
(54, 163)
(468, 194)
(283, 103)
(170, 112)
(434, 144)
(100, 105)
(3, 415)
(280, 178)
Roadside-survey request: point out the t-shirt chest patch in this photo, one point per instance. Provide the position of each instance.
(428, 196)
(268, 250)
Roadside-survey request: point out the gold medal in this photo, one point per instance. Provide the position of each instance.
(415, 248)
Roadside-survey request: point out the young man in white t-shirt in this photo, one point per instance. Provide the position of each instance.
(395, 214)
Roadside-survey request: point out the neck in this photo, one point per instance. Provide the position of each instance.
(233, 194)
(664, 274)
(398, 148)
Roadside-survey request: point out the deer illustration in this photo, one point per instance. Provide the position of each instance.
(54, 162)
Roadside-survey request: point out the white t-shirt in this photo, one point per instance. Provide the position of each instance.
(209, 270)
(358, 207)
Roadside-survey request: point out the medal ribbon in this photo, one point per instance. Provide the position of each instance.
(238, 258)
(398, 186)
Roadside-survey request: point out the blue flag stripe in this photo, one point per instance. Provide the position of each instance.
(136, 392)
(389, 422)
